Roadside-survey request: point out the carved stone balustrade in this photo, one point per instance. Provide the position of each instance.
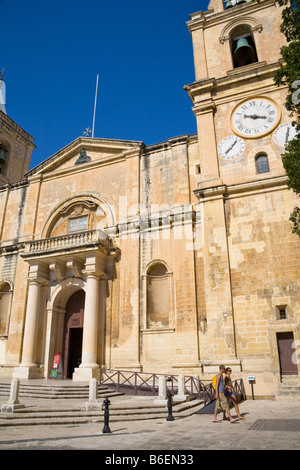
(75, 243)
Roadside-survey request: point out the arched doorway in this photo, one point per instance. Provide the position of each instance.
(73, 330)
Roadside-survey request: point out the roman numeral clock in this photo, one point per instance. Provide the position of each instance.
(255, 118)
(251, 119)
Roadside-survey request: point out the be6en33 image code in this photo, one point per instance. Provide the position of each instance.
(171, 459)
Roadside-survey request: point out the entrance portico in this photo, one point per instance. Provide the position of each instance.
(58, 268)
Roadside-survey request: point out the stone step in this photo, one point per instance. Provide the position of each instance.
(289, 389)
(118, 412)
(290, 382)
(291, 397)
(56, 391)
(4, 386)
(49, 396)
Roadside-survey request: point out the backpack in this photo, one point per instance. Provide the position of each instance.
(214, 382)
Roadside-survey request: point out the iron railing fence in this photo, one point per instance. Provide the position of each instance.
(239, 389)
(142, 383)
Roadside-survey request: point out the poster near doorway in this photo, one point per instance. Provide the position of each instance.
(73, 332)
(286, 350)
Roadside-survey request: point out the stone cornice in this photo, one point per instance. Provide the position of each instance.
(117, 148)
(8, 124)
(120, 151)
(12, 186)
(251, 187)
(241, 189)
(234, 77)
(210, 18)
(184, 139)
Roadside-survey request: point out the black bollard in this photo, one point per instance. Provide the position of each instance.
(170, 404)
(106, 428)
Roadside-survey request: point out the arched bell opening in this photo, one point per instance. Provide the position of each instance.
(242, 44)
(4, 156)
(233, 3)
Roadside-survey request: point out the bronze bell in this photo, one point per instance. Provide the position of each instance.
(228, 5)
(244, 54)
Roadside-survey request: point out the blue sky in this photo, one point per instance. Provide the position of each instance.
(142, 50)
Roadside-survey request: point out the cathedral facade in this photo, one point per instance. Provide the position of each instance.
(171, 258)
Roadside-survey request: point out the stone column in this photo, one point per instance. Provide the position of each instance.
(28, 368)
(13, 403)
(181, 395)
(90, 325)
(89, 368)
(218, 344)
(31, 322)
(209, 162)
(162, 391)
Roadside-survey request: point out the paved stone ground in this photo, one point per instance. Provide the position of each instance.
(269, 425)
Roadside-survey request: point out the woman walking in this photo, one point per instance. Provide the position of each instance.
(229, 393)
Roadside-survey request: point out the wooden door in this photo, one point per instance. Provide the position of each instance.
(286, 349)
(73, 330)
(75, 350)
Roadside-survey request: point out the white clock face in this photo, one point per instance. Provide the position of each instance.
(254, 118)
(283, 134)
(231, 147)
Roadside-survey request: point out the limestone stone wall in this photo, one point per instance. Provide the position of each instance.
(264, 260)
(18, 145)
(210, 36)
(210, 238)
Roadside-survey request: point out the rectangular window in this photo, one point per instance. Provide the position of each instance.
(281, 313)
(80, 224)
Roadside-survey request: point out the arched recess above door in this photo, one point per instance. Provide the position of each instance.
(62, 292)
(85, 211)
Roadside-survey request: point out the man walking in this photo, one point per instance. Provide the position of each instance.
(221, 401)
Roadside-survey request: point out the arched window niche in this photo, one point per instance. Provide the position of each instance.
(86, 211)
(5, 304)
(4, 156)
(159, 296)
(242, 28)
(262, 163)
(242, 46)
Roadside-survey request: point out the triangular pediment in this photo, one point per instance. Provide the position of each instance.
(85, 151)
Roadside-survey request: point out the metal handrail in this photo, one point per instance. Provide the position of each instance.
(132, 380)
(239, 389)
(143, 382)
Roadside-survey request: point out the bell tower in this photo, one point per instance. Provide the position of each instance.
(16, 147)
(239, 109)
(242, 127)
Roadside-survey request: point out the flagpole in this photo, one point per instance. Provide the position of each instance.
(95, 106)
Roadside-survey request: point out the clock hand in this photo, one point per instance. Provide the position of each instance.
(255, 116)
(228, 150)
(287, 135)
